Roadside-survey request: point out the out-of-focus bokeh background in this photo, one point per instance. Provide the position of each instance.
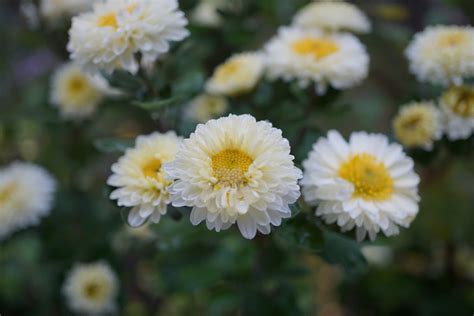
(174, 268)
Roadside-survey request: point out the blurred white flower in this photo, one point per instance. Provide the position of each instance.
(91, 288)
(206, 13)
(76, 93)
(365, 183)
(238, 75)
(53, 10)
(235, 170)
(457, 104)
(442, 54)
(205, 107)
(380, 256)
(332, 16)
(418, 124)
(140, 178)
(311, 56)
(26, 195)
(109, 37)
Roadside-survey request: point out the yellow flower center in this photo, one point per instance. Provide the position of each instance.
(226, 70)
(108, 20)
(452, 39)
(317, 47)
(230, 166)
(371, 179)
(94, 291)
(151, 168)
(7, 191)
(414, 125)
(460, 99)
(76, 85)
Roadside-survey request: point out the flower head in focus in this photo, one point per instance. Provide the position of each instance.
(91, 288)
(332, 16)
(238, 75)
(457, 105)
(312, 56)
(418, 124)
(140, 178)
(442, 54)
(109, 37)
(235, 170)
(26, 195)
(366, 184)
(205, 107)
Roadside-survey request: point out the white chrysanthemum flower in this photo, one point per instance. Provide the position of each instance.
(238, 75)
(140, 178)
(457, 104)
(76, 93)
(339, 60)
(442, 54)
(235, 170)
(205, 107)
(366, 183)
(110, 37)
(333, 16)
(56, 9)
(26, 195)
(91, 288)
(418, 124)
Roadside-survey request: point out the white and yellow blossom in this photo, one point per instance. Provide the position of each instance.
(457, 104)
(418, 124)
(366, 184)
(238, 75)
(332, 16)
(313, 57)
(235, 170)
(111, 36)
(140, 178)
(76, 93)
(442, 54)
(26, 195)
(205, 107)
(91, 288)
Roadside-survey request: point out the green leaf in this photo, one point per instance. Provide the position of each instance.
(126, 81)
(341, 250)
(295, 210)
(191, 83)
(113, 145)
(159, 104)
(303, 233)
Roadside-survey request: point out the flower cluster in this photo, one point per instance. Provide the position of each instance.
(440, 55)
(313, 50)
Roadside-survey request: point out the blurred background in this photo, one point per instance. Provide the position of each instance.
(174, 268)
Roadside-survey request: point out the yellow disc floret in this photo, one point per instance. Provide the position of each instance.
(371, 179)
(460, 99)
(230, 165)
(108, 20)
(317, 47)
(151, 168)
